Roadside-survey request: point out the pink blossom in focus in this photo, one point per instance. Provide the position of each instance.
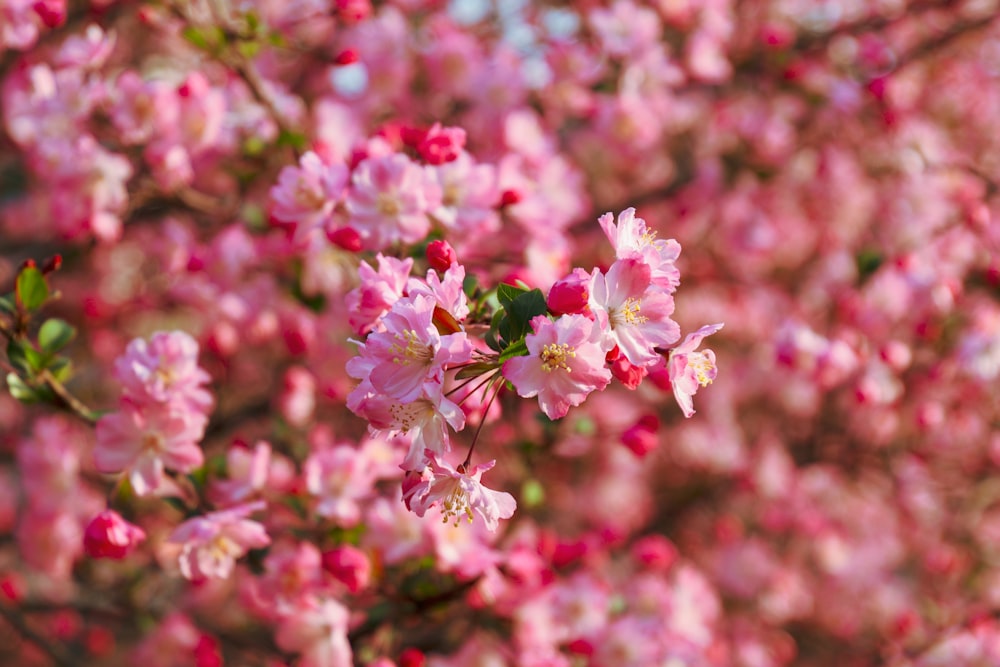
(210, 544)
(632, 313)
(379, 289)
(690, 369)
(460, 493)
(565, 363)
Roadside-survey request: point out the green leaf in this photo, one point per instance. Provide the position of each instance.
(475, 370)
(195, 37)
(521, 311)
(31, 289)
(516, 349)
(295, 140)
(61, 369)
(248, 49)
(507, 293)
(7, 304)
(20, 390)
(54, 335)
(24, 357)
(532, 493)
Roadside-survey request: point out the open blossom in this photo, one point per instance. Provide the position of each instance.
(690, 369)
(146, 441)
(424, 420)
(317, 630)
(307, 194)
(339, 477)
(164, 370)
(379, 289)
(212, 543)
(565, 363)
(410, 352)
(390, 198)
(460, 493)
(633, 313)
(631, 237)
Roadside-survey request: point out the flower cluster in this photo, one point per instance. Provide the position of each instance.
(162, 415)
(590, 328)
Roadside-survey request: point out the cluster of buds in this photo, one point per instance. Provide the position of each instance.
(419, 363)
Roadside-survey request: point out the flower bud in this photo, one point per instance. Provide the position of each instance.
(108, 535)
(641, 438)
(348, 565)
(346, 238)
(442, 144)
(440, 255)
(412, 657)
(569, 295)
(346, 57)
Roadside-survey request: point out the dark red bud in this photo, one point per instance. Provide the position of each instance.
(440, 255)
(346, 57)
(346, 238)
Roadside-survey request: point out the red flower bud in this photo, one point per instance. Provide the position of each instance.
(346, 57)
(442, 144)
(440, 255)
(570, 295)
(642, 438)
(346, 238)
(412, 657)
(348, 565)
(108, 535)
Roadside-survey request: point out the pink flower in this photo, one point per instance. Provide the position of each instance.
(339, 477)
(164, 370)
(631, 237)
(318, 630)
(307, 194)
(690, 369)
(424, 421)
(146, 441)
(460, 493)
(213, 542)
(373, 298)
(389, 200)
(469, 197)
(633, 313)
(410, 352)
(108, 535)
(565, 363)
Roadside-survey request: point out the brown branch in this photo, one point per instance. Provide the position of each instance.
(47, 645)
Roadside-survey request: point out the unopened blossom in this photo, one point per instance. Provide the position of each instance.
(460, 494)
(389, 200)
(441, 144)
(211, 544)
(570, 294)
(144, 442)
(565, 362)
(690, 369)
(410, 352)
(108, 535)
(632, 313)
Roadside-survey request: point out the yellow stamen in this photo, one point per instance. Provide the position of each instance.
(554, 356)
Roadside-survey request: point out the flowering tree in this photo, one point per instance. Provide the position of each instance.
(352, 333)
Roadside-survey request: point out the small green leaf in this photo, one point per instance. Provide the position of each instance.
(24, 357)
(516, 349)
(475, 370)
(522, 310)
(54, 335)
(248, 49)
(61, 369)
(295, 140)
(532, 493)
(507, 293)
(195, 37)
(32, 290)
(20, 390)
(7, 304)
